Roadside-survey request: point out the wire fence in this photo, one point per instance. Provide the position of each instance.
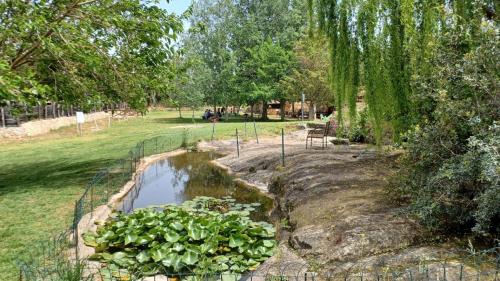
(58, 259)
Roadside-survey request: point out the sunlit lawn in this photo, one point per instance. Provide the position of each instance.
(41, 177)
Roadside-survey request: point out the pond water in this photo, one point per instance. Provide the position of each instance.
(186, 176)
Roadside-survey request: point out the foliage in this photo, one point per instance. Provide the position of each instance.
(450, 173)
(384, 45)
(202, 236)
(245, 46)
(267, 65)
(311, 74)
(359, 132)
(84, 53)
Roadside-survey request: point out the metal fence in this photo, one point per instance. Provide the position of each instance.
(54, 259)
(58, 259)
(282, 272)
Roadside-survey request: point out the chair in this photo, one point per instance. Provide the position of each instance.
(319, 132)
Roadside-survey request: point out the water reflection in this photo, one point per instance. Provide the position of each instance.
(184, 177)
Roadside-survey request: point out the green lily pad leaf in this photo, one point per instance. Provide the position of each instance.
(130, 238)
(143, 257)
(195, 233)
(121, 259)
(190, 257)
(172, 236)
(159, 254)
(170, 260)
(268, 243)
(236, 241)
(178, 247)
(89, 240)
(177, 226)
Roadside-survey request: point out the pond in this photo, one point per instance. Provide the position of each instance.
(186, 176)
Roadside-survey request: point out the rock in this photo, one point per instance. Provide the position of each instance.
(336, 206)
(340, 141)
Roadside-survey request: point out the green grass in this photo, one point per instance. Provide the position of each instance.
(41, 177)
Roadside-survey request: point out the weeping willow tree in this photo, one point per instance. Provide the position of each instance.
(430, 69)
(380, 46)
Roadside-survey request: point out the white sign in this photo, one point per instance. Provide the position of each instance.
(80, 118)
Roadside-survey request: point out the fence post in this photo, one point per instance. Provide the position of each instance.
(131, 163)
(75, 230)
(245, 128)
(498, 267)
(444, 273)
(237, 143)
(255, 130)
(213, 130)
(283, 147)
(108, 186)
(2, 113)
(91, 201)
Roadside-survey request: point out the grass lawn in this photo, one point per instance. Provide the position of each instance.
(41, 177)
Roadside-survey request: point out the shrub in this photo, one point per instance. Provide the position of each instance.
(450, 173)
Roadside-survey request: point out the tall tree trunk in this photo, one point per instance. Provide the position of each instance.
(264, 111)
(192, 117)
(293, 108)
(251, 110)
(180, 113)
(312, 111)
(282, 109)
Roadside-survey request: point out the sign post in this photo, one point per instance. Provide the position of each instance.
(80, 119)
(302, 107)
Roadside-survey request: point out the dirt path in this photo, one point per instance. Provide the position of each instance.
(332, 205)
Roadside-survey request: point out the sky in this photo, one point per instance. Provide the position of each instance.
(176, 6)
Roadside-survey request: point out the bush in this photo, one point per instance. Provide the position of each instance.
(450, 173)
(359, 131)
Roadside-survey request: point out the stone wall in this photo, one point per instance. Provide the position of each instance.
(39, 127)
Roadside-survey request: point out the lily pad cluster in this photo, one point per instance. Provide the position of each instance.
(205, 235)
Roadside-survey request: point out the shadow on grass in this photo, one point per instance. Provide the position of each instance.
(232, 119)
(53, 174)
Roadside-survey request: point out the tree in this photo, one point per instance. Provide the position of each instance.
(310, 77)
(227, 35)
(268, 63)
(430, 68)
(450, 172)
(86, 53)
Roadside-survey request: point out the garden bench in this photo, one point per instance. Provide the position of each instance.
(320, 131)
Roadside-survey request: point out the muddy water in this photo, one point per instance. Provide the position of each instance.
(186, 176)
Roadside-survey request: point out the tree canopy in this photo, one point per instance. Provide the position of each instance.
(84, 52)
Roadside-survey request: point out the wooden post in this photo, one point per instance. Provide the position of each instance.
(237, 143)
(255, 130)
(283, 147)
(26, 113)
(2, 113)
(213, 130)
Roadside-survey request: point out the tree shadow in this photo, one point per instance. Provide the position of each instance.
(54, 174)
(199, 121)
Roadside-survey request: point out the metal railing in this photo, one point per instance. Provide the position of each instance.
(49, 260)
(58, 260)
